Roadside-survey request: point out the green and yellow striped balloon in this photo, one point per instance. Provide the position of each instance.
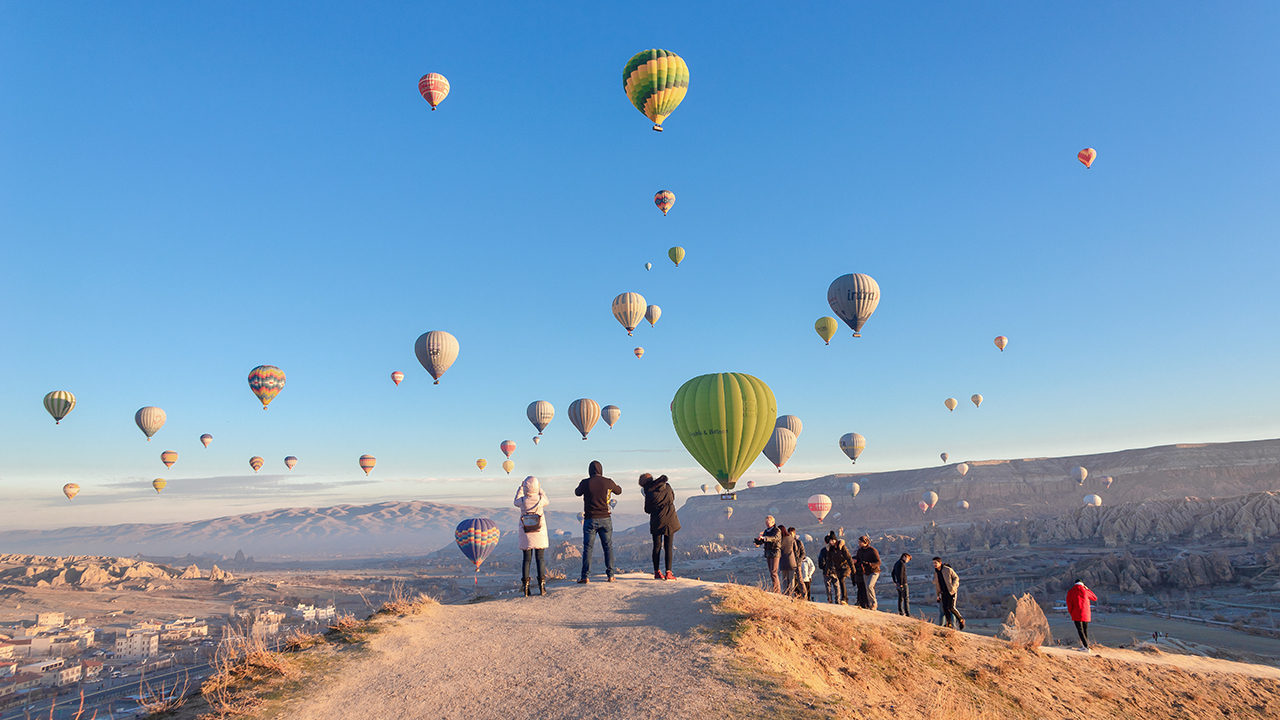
(59, 403)
(724, 421)
(655, 82)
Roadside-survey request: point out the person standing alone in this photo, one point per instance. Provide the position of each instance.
(1078, 599)
(900, 580)
(660, 503)
(868, 572)
(948, 585)
(596, 520)
(533, 530)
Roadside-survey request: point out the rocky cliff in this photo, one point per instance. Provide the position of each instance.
(92, 572)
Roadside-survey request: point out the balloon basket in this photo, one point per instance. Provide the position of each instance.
(856, 335)
(657, 128)
(728, 496)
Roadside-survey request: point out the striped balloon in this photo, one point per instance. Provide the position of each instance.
(584, 413)
(169, 457)
(540, 413)
(610, 413)
(853, 298)
(676, 254)
(1002, 342)
(664, 200)
(71, 490)
(256, 463)
(790, 422)
(629, 309)
(266, 381)
(507, 447)
(436, 350)
(477, 538)
(205, 439)
(59, 403)
(149, 419)
(481, 463)
(290, 461)
(434, 88)
(639, 352)
(852, 445)
(366, 463)
(1087, 156)
(780, 446)
(159, 484)
(652, 313)
(396, 377)
(655, 82)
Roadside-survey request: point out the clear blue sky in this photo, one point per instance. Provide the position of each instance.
(190, 190)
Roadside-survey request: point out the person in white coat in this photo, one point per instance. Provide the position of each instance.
(533, 530)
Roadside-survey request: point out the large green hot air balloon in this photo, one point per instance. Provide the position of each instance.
(724, 421)
(655, 82)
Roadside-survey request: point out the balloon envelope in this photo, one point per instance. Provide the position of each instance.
(751, 483)
(648, 266)
(930, 497)
(540, 413)
(266, 381)
(950, 403)
(536, 439)
(508, 465)
(963, 504)
(853, 298)
(507, 447)
(676, 254)
(71, 490)
(476, 538)
(584, 413)
(168, 457)
(1079, 474)
(1087, 156)
(704, 487)
(149, 419)
(629, 309)
(436, 351)
(819, 505)
(396, 377)
(290, 461)
(977, 400)
(206, 439)
(728, 512)
(1002, 342)
(854, 489)
(790, 422)
(481, 463)
(826, 328)
(924, 506)
(1093, 500)
(963, 469)
(610, 413)
(852, 445)
(434, 88)
(652, 313)
(256, 463)
(639, 352)
(780, 446)
(1106, 481)
(724, 420)
(367, 462)
(664, 199)
(59, 403)
(655, 82)
(159, 484)
(944, 457)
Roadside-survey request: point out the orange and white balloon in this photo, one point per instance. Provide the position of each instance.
(367, 462)
(1087, 156)
(434, 88)
(396, 377)
(1002, 342)
(168, 457)
(819, 505)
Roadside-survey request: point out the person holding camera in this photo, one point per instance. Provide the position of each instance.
(771, 540)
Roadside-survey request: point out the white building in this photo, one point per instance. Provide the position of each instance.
(138, 644)
(311, 613)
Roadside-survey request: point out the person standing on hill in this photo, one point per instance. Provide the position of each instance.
(868, 572)
(596, 520)
(806, 576)
(826, 563)
(660, 503)
(771, 538)
(787, 564)
(843, 563)
(1078, 599)
(801, 556)
(533, 530)
(900, 579)
(948, 585)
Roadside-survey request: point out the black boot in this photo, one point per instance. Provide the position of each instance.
(524, 585)
(542, 586)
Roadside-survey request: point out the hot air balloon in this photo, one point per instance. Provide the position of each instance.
(963, 505)
(508, 465)
(720, 537)
(780, 446)
(536, 439)
(664, 199)
(930, 497)
(790, 422)
(944, 457)
(648, 266)
(434, 88)
(854, 489)
(149, 419)
(256, 463)
(773, 511)
(924, 506)
(963, 469)
(853, 298)
(1106, 482)
(59, 403)
(71, 490)
(676, 254)
(951, 404)
(819, 505)
(507, 447)
(159, 484)
(290, 461)
(1087, 156)
(1001, 342)
(581, 517)
(976, 399)
(837, 517)
(266, 381)
(652, 313)
(436, 350)
(655, 82)
(1093, 500)
(639, 352)
(1079, 474)
(366, 463)
(852, 444)
(476, 538)
(205, 439)
(396, 377)
(728, 513)
(751, 483)
(481, 463)
(610, 413)
(584, 413)
(168, 457)
(826, 328)
(704, 487)
(629, 309)
(723, 420)
(540, 413)
(613, 504)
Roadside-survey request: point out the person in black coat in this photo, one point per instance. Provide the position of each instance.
(900, 579)
(660, 503)
(770, 539)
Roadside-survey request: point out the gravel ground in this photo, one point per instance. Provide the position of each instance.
(626, 649)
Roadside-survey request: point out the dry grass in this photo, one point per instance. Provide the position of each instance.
(164, 697)
(242, 667)
(298, 640)
(402, 602)
(1026, 626)
(815, 664)
(555, 574)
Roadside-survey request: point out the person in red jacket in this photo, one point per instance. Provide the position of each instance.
(1078, 599)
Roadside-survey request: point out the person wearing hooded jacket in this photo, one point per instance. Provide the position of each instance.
(533, 542)
(660, 503)
(595, 490)
(867, 572)
(1078, 599)
(826, 563)
(947, 583)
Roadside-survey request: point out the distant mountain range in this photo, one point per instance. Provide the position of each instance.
(342, 531)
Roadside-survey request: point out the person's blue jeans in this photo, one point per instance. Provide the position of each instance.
(604, 528)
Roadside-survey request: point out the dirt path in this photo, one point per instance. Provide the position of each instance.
(627, 649)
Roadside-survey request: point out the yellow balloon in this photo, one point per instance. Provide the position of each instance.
(159, 484)
(481, 463)
(826, 327)
(508, 466)
(950, 403)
